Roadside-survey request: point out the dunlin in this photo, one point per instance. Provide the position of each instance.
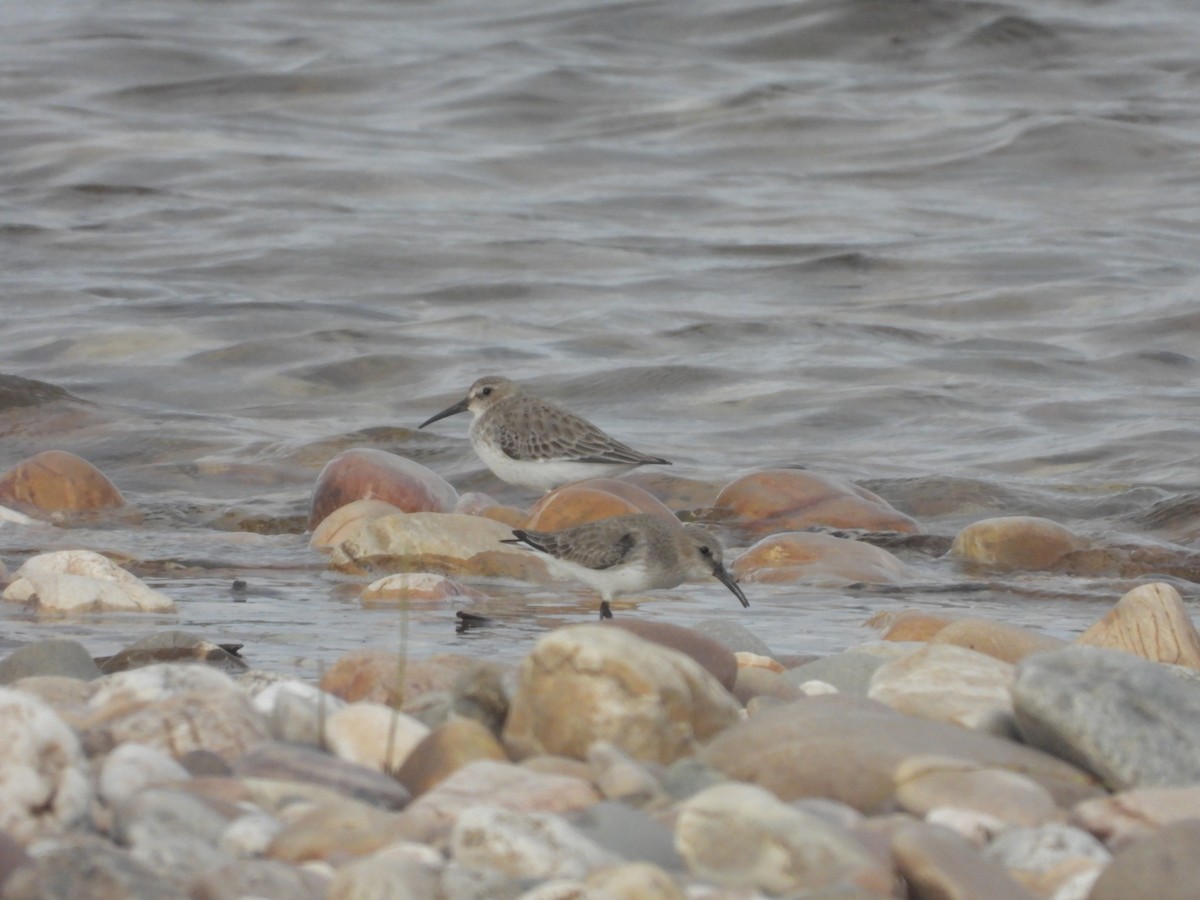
(535, 444)
(629, 554)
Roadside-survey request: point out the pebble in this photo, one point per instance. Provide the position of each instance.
(80, 581)
(296, 711)
(348, 519)
(850, 672)
(373, 735)
(417, 589)
(1001, 640)
(1161, 866)
(60, 657)
(524, 844)
(720, 662)
(937, 863)
(819, 559)
(285, 762)
(1151, 622)
(173, 647)
(57, 482)
(1130, 721)
(1016, 543)
(445, 750)
(364, 473)
(131, 768)
(586, 683)
(590, 500)
(630, 833)
(262, 878)
(1123, 817)
(928, 783)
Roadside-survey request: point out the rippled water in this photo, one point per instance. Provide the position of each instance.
(945, 249)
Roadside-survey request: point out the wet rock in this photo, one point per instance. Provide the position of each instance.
(591, 682)
(1128, 815)
(89, 867)
(382, 876)
(444, 751)
(61, 657)
(524, 844)
(948, 684)
(334, 830)
(432, 814)
(778, 500)
(262, 878)
(173, 647)
(1009, 643)
(1131, 722)
(173, 832)
(366, 474)
(1149, 621)
(131, 768)
(296, 711)
(344, 521)
(850, 672)
(635, 881)
(741, 836)
(1016, 543)
(80, 581)
(819, 559)
(417, 589)
(55, 481)
(937, 863)
(926, 783)
(714, 657)
(445, 543)
(289, 762)
(373, 735)
(44, 783)
(848, 749)
(629, 834)
(1165, 866)
(591, 500)
(907, 625)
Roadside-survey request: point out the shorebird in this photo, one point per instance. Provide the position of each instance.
(629, 554)
(535, 444)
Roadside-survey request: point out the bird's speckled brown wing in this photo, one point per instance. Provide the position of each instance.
(541, 431)
(594, 545)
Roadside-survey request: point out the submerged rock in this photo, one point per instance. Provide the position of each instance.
(819, 559)
(55, 481)
(80, 581)
(367, 474)
(1012, 543)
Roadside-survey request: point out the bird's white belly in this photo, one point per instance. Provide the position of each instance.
(540, 475)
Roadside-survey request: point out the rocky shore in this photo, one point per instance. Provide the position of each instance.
(949, 758)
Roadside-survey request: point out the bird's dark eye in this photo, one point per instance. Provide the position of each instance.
(485, 392)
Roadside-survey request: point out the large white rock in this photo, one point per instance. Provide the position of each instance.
(524, 844)
(374, 735)
(79, 581)
(949, 684)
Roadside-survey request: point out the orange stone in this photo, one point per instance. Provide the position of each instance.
(593, 499)
(818, 558)
(1010, 543)
(56, 481)
(779, 500)
(365, 474)
(907, 625)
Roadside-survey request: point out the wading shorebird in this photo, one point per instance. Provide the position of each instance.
(534, 444)
(630, 554)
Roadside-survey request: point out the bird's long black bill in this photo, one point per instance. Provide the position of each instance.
(723, 576)
(460, 406)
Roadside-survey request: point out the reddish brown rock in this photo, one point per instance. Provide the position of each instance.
(1152, 622)
(792, 500)
(1017, 543)
(590, 500)
(364, 474)
(55, 481)
(444, 751)
(820, 559)
(676, 491)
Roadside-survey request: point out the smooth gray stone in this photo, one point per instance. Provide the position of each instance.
(631, 834)
(849, 672)
(67, 658)
(1129, 721)
(295, 762)
(172, 831)
(736, 637)
(89, 867)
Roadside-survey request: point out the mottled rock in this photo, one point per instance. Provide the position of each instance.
(621, 777)
(367, 474)
(44, 783)
(373, 735)
(445, 543)
(1149, 621)
(591, 500)
(1009, 643)
(432, 814)
(379, 676)
(635, 881)
(741, 836)
(131, 768)
(260, 878)
(445, 750)
(334, 830)
(1162, 866)
(1016, 543)
(122, 692)
(778, 500)
(173, 832)
(819, 559)
(381, 876)
(847, 748)
(296, 711)
(305, 765)
(850, 672)
(90, 867)
(524, 844)
(1124, 817)
(417, 589)
(630, 834)
(940, 865)
(79, 581)
(173, 647)
(948, 684)
(591, 682)
(709, 653)
(61, 657)
(1046, 848)
(926, 783)
(55, 481)
(1131, 722)
(346, 520)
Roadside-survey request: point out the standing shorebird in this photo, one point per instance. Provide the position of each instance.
(535, 444)
(629, 554)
